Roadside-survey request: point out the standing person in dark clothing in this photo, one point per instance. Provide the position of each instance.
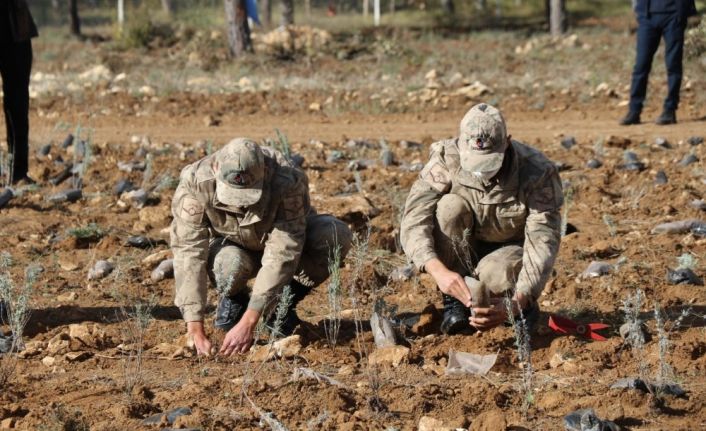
(659, 19)
(17, 29)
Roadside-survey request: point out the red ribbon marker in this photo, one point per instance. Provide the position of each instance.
(567, 326)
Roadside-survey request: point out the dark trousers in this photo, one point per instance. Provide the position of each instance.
(649, 31)
(15, 67)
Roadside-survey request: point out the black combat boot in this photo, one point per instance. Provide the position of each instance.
(229, 311)
(455, 316)
(291, 319)
(668, 116)
(632, 118)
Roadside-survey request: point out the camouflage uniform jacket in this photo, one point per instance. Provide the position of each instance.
(520, 205)
(275, 226)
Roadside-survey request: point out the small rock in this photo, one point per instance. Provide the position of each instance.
(77, 356)
(335, 156)
(63, 175)
(683, 276)
(136, 198)
(6, 196)
(594, 164)
(132, 166)
(638, 332)
(81, 333)
(410, 145)
(101, 269)
(695, 140)
(393, 355)
(8, 423)
(617, 141)
(68, 141)
(428, 423)
(662, 143)
(123, 186)
(631, 162)
(315, 107)
(48, 361)
(699, 204)
(169, 416)
(568, 142)
(682, 226)
(402, 273)
(661, 178)
(558, 360)
(287, 347)
(71, 195)
(359, 165)
(139, 241)
(211, 121)
(688, 159)
(67, 297)
(156, 216)
(163, 271)
(597, 269)
(32, 349)
(586, 420)
(44, 151)
(156, 258)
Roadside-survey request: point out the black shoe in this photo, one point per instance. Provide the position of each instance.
(229, 311)
(291, 320)
(668, 116)
(632, 118)
(455, 316)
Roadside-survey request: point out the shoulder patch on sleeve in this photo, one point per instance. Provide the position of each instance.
(437, 176)
(191, 210)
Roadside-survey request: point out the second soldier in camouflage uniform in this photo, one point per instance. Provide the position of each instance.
(241, 213)
(487, 206)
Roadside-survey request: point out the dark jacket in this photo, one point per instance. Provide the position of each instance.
(684, 8)
(17, 22)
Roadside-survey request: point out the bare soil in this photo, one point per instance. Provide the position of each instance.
(94, 390)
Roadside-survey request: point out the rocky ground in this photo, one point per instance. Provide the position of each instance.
(106, 352)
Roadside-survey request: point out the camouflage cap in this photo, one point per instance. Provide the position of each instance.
(482, 139)
(240, 173)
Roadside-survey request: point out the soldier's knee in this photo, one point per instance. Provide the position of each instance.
(324, 232)
(454, 213)
(499, 270)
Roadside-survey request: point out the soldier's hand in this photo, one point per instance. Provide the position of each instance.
(449, 282)
(484, 319)
(198, 336)
(237, 340)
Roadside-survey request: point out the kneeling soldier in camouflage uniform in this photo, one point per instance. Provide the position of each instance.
(485, 206)
(241, 213)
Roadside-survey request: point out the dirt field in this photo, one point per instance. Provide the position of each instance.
(98, 378)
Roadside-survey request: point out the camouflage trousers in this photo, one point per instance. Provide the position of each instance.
(226, 259)
(496, 265)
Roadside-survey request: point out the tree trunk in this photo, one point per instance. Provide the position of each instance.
(448, 6)
(121, 13)
(75, 21)
(287, 12)
(557, 17)
(366, 8)
(239, 41)
(168, 7)
(267, 12)
(392, 7)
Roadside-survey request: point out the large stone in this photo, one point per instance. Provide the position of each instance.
(393, 355)
(81, 332)
(428, 423)
(285, 348)
(58, 344)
